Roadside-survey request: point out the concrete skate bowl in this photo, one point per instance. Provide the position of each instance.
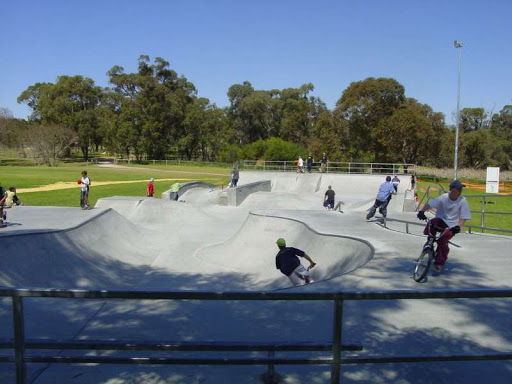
(89, 255)
(148, 212)
(252, 250)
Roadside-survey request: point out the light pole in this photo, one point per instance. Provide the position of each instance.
(458, 45)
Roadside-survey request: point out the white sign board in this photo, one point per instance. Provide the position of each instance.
(492, 182)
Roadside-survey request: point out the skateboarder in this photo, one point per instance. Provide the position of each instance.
(382, 199)
(287, 261)
(329, 198)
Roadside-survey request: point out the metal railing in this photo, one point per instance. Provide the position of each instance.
(485, 199)
(336, 360)
(470, 228)
(332, 167)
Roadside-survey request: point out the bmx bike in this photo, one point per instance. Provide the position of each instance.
(428, 253)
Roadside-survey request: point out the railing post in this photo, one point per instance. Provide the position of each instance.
(271, 377)
(349, 168)
(284, 166)
(371, 168)
(336, 341)
(482, 215)
(19, 338)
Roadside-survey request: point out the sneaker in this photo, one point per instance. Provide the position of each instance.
(438, 268)
(368, 217)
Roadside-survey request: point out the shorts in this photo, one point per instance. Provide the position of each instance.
(298, 276)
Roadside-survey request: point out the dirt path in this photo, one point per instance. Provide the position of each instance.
(69, 185)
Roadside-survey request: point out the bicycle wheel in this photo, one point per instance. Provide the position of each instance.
(423, 264)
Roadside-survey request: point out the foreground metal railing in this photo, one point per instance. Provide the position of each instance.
(21, 345)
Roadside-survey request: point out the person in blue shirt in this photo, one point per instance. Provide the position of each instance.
(382, 200)
(287, 261)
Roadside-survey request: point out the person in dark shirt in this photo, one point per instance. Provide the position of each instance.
(309, 163)
(235, 175)
(329, 198)
(323, 163)
(287, 261)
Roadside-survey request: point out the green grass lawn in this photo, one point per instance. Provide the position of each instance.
(492, 204)
(36, 176)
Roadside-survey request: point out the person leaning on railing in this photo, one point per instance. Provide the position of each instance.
(452, 211)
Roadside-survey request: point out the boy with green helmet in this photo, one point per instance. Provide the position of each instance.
(287, 261)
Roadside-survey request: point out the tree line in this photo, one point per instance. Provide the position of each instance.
(154, 113)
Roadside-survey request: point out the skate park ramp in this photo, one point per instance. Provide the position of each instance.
(101, 252)
(253, 249)
(306, 190)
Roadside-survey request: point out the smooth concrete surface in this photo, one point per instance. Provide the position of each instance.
(156, 244)
(236, 196)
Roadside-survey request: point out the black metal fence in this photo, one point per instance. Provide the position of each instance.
(20, 345)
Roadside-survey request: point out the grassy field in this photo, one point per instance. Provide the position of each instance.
(39, 176)
(492, 204)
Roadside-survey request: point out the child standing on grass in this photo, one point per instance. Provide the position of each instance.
(151, 187)
(84, 190)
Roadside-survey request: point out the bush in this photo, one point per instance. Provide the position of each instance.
(230, 154)
(280, 150)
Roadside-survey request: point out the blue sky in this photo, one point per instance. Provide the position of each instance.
(272, 44)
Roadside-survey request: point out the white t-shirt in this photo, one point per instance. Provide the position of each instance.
(451, 211)
(301, 162)
(85, 183)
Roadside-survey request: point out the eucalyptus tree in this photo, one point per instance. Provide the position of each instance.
(71, 102)
(364, 104)
(152, 107)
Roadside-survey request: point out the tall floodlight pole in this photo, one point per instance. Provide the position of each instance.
(458, 45)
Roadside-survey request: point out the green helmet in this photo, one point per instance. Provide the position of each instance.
(281, 242)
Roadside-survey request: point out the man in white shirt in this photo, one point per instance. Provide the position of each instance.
(452, 211)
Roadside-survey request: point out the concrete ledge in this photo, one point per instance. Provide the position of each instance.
(235, 196)
(409, 202)
(169, 195)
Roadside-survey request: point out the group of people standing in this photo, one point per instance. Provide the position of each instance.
(309, 164)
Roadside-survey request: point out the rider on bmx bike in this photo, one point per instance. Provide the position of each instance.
(452, 211)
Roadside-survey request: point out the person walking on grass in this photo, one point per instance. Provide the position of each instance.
(85, 183)
(287, 261)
